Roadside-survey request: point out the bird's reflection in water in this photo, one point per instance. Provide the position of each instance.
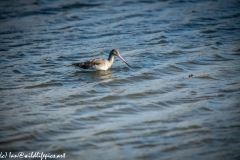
(93, 76)
(104, 76)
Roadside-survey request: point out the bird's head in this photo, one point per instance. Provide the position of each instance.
(115, 52)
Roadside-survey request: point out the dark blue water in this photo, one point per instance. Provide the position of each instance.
(179, 100)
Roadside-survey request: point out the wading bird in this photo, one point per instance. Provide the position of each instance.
(100, 63)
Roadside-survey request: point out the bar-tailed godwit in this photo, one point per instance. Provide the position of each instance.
(100, 63)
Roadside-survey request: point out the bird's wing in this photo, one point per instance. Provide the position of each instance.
(90, 63)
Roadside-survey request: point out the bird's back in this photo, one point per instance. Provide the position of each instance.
(98, 63)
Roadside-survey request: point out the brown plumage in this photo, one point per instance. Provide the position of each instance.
(100, 63)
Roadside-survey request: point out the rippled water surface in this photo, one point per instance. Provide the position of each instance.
(179, 100)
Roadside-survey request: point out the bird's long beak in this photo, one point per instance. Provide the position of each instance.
(123, 60)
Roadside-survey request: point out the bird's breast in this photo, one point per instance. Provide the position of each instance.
(100, 64)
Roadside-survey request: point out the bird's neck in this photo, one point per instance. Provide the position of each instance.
(110, 58)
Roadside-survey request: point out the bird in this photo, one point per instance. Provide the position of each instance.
(100, 63)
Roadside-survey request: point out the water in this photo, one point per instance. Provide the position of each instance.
(179, 100)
